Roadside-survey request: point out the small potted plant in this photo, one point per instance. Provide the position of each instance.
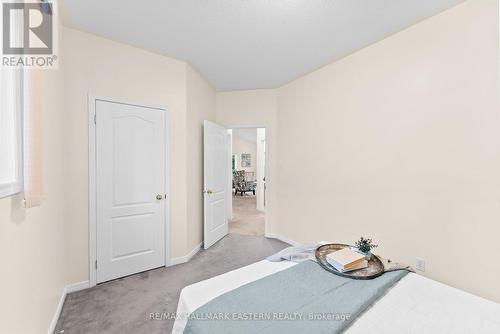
(365, 246)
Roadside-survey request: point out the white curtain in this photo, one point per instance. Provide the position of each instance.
(33, 123)
(9, 171)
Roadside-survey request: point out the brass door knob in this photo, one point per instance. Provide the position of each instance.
(209, 191)
(159, 197)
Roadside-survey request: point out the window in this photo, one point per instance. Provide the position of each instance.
(234, 161)
(11, 172)
(11, 124)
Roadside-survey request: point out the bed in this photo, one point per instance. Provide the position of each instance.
(415, 304)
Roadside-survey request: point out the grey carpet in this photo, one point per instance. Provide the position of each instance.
(124, 305)
(246, 218)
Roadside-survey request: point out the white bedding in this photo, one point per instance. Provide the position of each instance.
(414, 305)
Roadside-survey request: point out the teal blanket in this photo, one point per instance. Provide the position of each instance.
(302, 299)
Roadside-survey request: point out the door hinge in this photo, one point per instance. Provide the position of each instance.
(95, 119)
(96, 264)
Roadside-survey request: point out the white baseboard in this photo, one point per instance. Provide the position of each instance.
(178, 260)
(86, 284)
(185, 258)
(282, 238)
(67, 289)
(77, 286)
(53, 323)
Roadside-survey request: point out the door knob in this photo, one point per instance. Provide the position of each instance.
(159, 197)
(209, 191)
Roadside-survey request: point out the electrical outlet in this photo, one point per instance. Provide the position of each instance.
(420, 264)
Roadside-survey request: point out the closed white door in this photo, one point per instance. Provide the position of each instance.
(216, 163)
(131, 175)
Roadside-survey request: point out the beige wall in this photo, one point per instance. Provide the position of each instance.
(400, 142)
(241, 145)
(200, 107)
(105, 68)
(33, 242)
(46, 248)
(255, 108)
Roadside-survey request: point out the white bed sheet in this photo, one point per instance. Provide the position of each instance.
(415, 304)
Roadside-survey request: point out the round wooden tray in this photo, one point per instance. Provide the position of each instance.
(375, 266)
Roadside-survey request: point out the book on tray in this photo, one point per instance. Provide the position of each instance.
(346, 259)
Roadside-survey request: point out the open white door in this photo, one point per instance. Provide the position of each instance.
(216, 155)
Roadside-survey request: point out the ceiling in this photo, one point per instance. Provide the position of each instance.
(249, 44)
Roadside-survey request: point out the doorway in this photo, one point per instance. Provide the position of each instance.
(248, 180)
(129, 188)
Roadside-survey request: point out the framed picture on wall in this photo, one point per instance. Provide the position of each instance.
(246, 160)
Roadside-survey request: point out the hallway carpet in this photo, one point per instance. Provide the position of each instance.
(124, 305)
(246, 218)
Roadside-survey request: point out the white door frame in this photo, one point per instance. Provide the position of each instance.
(235, 127)
(230, 181)
(261, 170)
(92, 99)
